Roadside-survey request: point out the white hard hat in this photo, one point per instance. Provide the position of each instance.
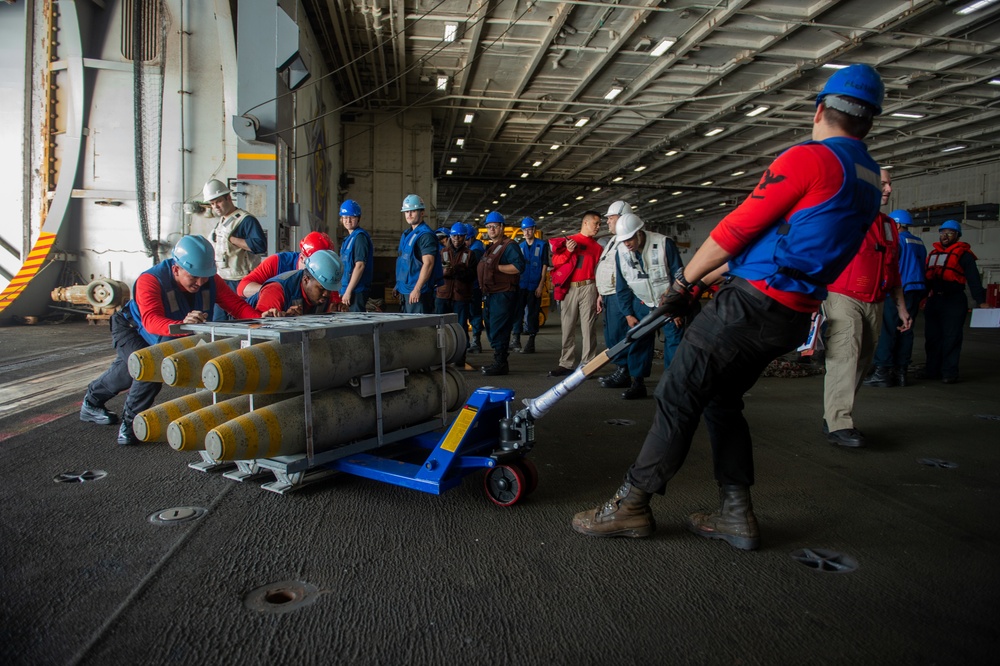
(618, 208)
(214, 189)
(628, 224)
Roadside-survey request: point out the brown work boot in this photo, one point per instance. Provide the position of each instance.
(734, 522)
(627, 514)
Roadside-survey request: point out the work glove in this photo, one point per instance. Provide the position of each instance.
(682, 296)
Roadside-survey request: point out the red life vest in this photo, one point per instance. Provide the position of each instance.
(491, 279)
(874, 270)
(943, 262)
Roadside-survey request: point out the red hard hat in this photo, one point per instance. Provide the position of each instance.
(315, 240)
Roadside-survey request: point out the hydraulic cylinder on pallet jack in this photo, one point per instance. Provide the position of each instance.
(339, 416)
(272, 367)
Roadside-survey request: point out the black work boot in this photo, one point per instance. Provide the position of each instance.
(529, 346)
(126, 436)
(476, 347)
(879, 378)
(499, 365)
(636, 390)
(626, 514)
(734, 522)
(618, 379)
(515, 342)
(91, 413)
(899, 377)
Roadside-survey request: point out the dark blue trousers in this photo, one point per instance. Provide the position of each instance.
(722, 354)
(615, 327)
(944, 321)
(895, 349)
(527, 307)
(499, 313)
(116, 379)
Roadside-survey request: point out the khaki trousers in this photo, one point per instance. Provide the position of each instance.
(852, 330)
(579, 306)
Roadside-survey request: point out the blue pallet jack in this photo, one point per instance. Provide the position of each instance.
(486, 434)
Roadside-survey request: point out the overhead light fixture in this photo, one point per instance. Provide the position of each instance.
(581, 122)
(677, 193)
(554, 146)
(503, 194)
(448, 172)
(951, 149)
(524, 175)
(495, 202)
(737, 173)
(699, 210)
(579, 198)
(662, 47)
(551, 212)
(832, 65)
(994, 82)
(616, 90)
(617, 179)
(512, 186)
(974, 7)
(596, 189)
(652, 201)
(715, 130)
(536, 163)
(757, 111)
(671, 153)
(680, 214)
(639, 168)
(459, 142)
(723, 203)
(885, 167)
(707, 183)
(486, 210)
(542, 217)
(469, 117)
(450, 31)
(454, 160)
(914, 116)
(442, 82)
(564, 205)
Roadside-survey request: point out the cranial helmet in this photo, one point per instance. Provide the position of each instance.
(314, 241)
(195, 255)
(495, 218)
(628, 224)
(862, 83)
(902, 217)
(326, 268)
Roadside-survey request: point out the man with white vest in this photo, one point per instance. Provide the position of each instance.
(607, 301)
(646, 268)
(238, 238)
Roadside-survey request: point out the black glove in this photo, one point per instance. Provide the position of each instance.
(682, 296)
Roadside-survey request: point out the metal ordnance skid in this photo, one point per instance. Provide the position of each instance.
(476, 439)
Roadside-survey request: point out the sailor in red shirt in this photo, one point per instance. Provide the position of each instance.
(302, 292)
(853, 321)
(283, 262)
(181, 290)
(579, 304)
(793, 235)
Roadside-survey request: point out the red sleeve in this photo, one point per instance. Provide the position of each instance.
(799, 178)
(150, 302)
(266, 270)
(231, 303)
(560, 255)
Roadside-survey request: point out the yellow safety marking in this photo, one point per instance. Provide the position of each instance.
(28, 270)
(273, 424)
(273, 359)
(257, 156)
(251, 368)
(458, 429)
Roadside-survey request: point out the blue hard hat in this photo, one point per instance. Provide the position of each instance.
(412, 202)
(902, 217)
(527, 223)
(441, 231)
(195, 255)
(350, 208)
(458, 229)
(495, 218)
(470, 231)
(861, 82)
(951, 224)
(326, 268)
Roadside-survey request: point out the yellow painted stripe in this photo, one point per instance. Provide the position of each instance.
(458, 429)
(273, 425)
(273, 368)
(257, 156)
(251, 368)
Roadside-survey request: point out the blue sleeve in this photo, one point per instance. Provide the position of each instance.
(361, 250)
(427, 244)
(673, 257)
(249, 229)
(622, 291)
(972, 279)
(512, 255)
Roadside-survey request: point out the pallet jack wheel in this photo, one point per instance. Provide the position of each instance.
(505, 484)
(530, 475)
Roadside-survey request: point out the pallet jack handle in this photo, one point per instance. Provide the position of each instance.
(535, 408)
